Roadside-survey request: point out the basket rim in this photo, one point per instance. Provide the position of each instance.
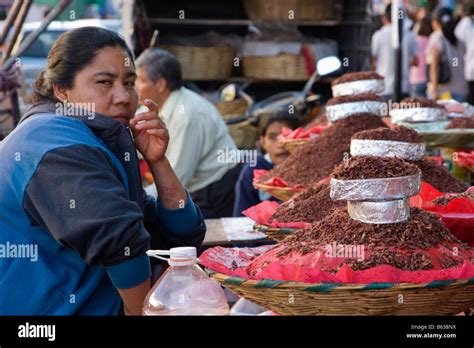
(326, 286)
(286, 188)
(295, 141)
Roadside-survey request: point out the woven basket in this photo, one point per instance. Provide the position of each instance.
(281, 193)
(295, 298)
(279, 10)
(245, 137)
(274, 233)
(284, 66)
(293, 144)
(204, 63)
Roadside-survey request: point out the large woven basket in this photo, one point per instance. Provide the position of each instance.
(284, 10)
(283, 66)
(274, 233)
(295, 298)
(281, 193)
(245, 136)
(203, 63)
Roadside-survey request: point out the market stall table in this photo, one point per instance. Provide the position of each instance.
(232, 231)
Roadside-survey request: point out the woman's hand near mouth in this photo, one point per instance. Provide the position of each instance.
(151, 139)
(151, 135)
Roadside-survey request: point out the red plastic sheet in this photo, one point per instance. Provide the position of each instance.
(262, 263)
(280, 182)
(274, 181)
(301, 133)
(464, 159)
(458, 215)
(262, 212)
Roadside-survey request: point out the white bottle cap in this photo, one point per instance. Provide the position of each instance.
(181, 256)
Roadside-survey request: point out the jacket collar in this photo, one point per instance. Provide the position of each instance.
(116, 136)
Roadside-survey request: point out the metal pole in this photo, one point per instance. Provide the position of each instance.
(14, 103)
(56, 11)
(8, 59)
(397, 39)
(20, 19)
(10, 19)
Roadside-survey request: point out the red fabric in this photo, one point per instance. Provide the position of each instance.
(458, 215)
(262, 263)
(309, 59)
(274, 181)
(464, 159)
(301, 133)
(144, 168)
(262, 212)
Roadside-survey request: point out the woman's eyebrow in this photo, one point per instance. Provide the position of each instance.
(131, 74)
(105, 73)
(113, 75)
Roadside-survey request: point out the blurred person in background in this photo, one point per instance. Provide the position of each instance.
(465, 33)
(445, 55)
(273, 154)
(197, 134)
(418, 73)
(382, 55)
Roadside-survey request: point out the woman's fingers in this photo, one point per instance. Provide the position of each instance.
(143, 116)
(150, 104)
(146, 119)
(150, 124)
(161, 133)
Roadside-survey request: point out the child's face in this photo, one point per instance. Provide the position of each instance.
(271, 145)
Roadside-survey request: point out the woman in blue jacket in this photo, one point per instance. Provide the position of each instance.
(74, 221)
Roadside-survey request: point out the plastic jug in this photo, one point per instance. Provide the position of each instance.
(184, 288)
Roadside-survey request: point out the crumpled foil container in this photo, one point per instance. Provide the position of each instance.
(387, 148)
(418, 115)
(340, 111)
(358, 87)
(380, 212)
(375, 189)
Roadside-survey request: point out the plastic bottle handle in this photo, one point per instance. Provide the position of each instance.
(157, 253)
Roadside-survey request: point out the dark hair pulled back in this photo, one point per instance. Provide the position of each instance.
(71, 53)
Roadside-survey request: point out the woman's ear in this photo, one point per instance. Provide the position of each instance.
(60, 93)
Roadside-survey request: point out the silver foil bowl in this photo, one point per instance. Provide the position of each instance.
(358, 87)
(422, 114)
(343, 110)
(375, 189)
(387, 148)
(379, 212)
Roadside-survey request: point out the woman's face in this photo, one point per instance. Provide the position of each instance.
(271, 145)
(107, 83)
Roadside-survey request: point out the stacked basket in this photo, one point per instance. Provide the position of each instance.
(203, 63)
